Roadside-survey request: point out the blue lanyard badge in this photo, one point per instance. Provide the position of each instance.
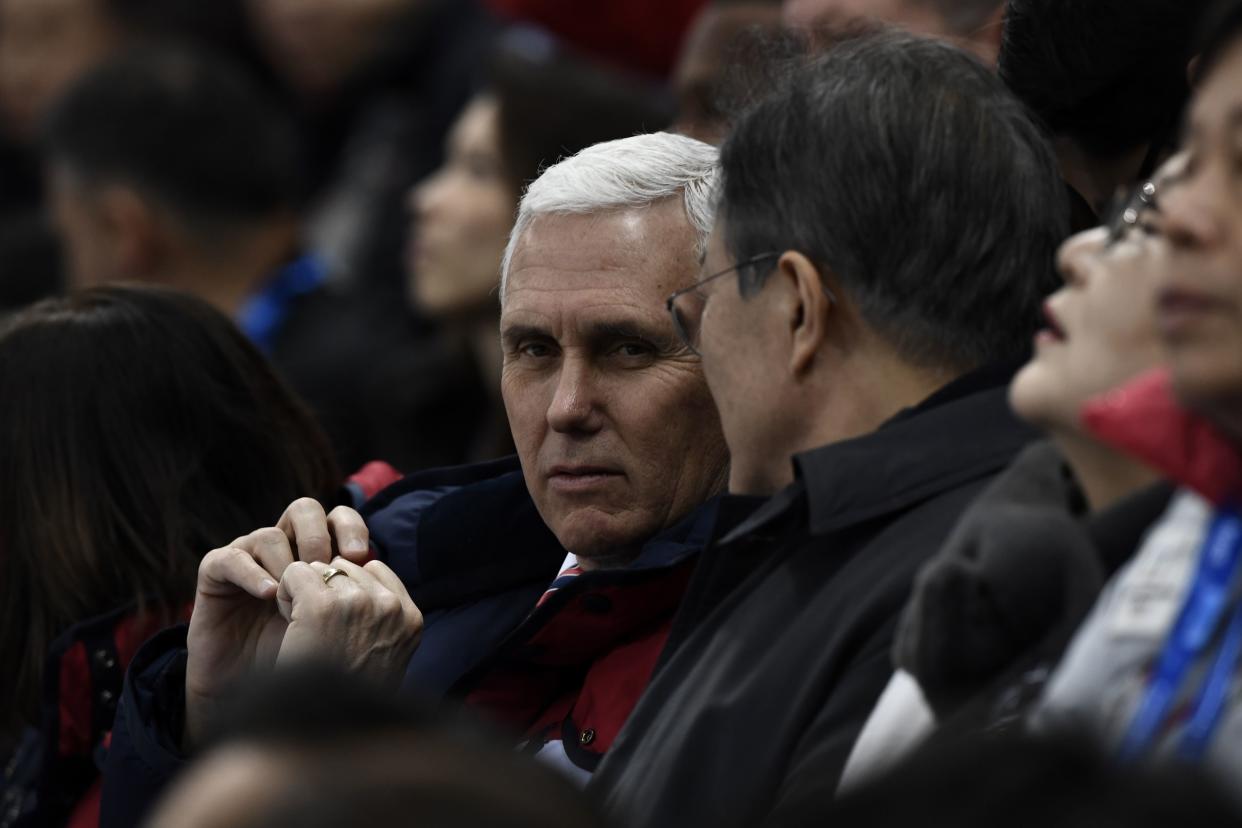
(1198, 619)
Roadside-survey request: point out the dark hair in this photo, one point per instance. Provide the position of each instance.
(1218, 31)
(188, 129)
(362, 757)
(553, 103)
(1109, 74)
(221, 26)
(139, 430)
(903, 167)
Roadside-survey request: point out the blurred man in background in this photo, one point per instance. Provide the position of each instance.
(172, 168)
(974, 25)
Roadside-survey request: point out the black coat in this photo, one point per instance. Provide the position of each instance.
(783, 643)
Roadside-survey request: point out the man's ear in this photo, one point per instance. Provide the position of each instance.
(132, 223)
(810, 319)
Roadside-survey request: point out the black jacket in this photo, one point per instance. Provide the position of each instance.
(995, 609)
(783, 642)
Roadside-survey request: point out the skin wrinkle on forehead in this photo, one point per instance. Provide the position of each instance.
(632, 218)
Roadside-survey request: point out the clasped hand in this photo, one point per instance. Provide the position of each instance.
(263, 600)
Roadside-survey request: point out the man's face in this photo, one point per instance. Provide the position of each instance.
(617, 433)
(45, 46)
(317, 44)
(743, 359)
(1199, 298)
(913, 17)
(708, 54)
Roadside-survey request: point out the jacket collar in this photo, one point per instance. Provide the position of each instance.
(961, 433)
(430, 529)
(85, 668)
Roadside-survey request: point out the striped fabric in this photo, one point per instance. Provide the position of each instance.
(563, 580)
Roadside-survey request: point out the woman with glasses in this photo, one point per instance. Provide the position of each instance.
(1152, 674)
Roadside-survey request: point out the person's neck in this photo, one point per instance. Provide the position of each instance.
(227, 282)
(853, 398)
(1104, 475)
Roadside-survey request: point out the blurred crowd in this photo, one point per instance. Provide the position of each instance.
(703, 412)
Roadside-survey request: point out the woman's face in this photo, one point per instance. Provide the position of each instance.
(45, 46)
(461, 217)
(1199, 298)
(317, 44)
(1101, 326)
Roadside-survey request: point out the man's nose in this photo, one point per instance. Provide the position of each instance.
(574, 406)
(1191, 214)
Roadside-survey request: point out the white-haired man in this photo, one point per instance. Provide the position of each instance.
(619, 445)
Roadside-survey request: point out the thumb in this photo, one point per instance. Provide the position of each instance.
(299, 580)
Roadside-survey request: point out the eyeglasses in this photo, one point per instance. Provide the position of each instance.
(686, 305)
(1128, 211)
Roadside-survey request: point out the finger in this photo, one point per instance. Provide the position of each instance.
(307, 528)
(229, 569)
(353, 539)
(356, 574)
(380, 572)
(383, 585)
(302, 582)
(270, 547)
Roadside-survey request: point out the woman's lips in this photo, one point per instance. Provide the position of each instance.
(1052, 331)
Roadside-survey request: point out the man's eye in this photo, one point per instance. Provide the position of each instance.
(537, 350)
(633, 350)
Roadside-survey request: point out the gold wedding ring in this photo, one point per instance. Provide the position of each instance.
(331, 572)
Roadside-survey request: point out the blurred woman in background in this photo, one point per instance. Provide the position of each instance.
(139, 430)
(541, 104)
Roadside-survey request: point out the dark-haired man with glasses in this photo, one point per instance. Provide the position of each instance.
(885, 236)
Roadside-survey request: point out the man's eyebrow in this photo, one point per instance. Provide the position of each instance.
(517, 333)
(606, 331)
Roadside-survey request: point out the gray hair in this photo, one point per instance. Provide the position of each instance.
(628, 172)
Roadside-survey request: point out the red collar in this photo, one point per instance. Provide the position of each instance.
(90, 661)
(1144, 419)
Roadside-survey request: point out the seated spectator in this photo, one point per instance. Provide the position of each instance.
(858, 325)
(1108, 80)
(48, 45)
(45, 47)
(138, 429)
(541, 104)
(973, 25)
(717, 59)
(374, 86)
(169, 167)
(1152, 674)
(619, 446)
(349, 755)
(639, 35)
(995, 609)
